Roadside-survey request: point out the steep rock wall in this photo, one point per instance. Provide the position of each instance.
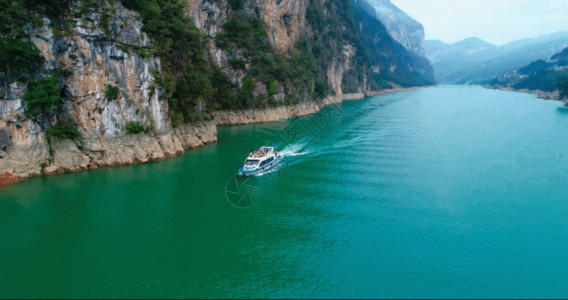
(285, 22)
(400, 26)
(93, 59)
(108, 46)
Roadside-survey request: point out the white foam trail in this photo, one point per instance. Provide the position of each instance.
(295, 154)
(294, 150)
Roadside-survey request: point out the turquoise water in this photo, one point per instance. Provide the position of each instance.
(442, 192)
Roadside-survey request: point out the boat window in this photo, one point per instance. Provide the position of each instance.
(266, 161)
(251, 162)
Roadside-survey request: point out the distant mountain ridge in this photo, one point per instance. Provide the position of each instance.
(549, 78)
(439, 51)
(476, 61)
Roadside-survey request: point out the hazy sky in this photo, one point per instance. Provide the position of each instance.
(496, 21)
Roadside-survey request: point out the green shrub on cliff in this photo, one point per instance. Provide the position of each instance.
(16, 16)
(111, 92)
(273, 87)
(297, 69)
(43, 97)
(135, 128)
(186, 73)
(544, 80)
(245, 32)
(236, 4)
(65, 129)
(18, 58)
(226, 91)
(320, 89)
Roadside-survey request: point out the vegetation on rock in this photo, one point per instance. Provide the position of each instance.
(18, 58)
(111, 92)
(186, 72)
(543, 75)
(192, 84)
(65, 129)
(135, 128)
(42, 97)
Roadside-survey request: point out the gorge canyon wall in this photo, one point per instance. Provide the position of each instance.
(107, 45)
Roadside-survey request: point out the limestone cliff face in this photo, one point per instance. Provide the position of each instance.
(285, 22)
(94, 59)
(107, 46)
(400, 26)
(208, 16)
(400, 62)
(337, 73)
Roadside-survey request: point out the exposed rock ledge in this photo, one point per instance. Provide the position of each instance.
(250, 116)
(31, 155)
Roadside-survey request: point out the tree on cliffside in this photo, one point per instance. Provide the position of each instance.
(42, 97)
(16, 58)
(185, 75)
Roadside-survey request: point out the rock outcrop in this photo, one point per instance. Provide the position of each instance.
(106, 47)
(405, 30)
(251, 116)
(94, 60)
(410, 67)
(285, 21)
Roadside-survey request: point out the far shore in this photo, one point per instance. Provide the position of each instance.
(398, 89)
(540, 94)
(283, 112)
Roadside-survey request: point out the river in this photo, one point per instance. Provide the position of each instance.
(451, 191)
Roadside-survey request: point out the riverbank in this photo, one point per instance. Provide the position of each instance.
(556, 95)
(31, 156)
(273, 114)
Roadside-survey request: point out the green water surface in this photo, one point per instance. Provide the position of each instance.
(442, 192)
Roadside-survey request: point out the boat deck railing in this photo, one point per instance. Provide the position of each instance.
(260, 153)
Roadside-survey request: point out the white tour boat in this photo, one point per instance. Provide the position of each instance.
(260, 160)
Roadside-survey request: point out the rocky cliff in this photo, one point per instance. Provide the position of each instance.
(92, 60)
(378, 16)
(403, 28)
(133, 95)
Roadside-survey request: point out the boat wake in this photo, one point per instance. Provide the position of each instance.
(294, 150)
(292, 154)
(288, 154)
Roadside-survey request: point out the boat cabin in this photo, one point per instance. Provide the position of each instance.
(261, 152)
(260, 160)
(260, 157)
